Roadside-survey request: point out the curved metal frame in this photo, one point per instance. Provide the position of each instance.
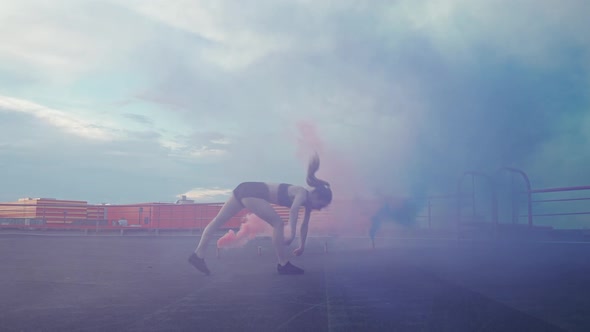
(528, 187)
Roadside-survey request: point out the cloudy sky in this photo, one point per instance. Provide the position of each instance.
(132, 101)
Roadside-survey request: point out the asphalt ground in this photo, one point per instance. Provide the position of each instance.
(144, 283)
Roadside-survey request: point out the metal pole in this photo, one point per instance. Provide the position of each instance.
(473, 195)
(513, 199)
(429, 214)
(530, 191)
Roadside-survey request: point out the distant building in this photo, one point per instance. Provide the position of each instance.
(183, 214)
(183, 200)
(50, 210)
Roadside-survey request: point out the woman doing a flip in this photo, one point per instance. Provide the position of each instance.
(258, 197)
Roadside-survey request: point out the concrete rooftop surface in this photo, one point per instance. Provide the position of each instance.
(63, 282)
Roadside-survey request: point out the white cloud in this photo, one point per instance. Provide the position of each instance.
(231, 41)
(76, 124)
(207, 194)
(68, 122)
(205, 151)
(62, 40)
(223, 141)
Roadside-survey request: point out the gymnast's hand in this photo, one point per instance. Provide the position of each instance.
(298, 251)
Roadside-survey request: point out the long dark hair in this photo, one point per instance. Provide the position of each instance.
(320, 186)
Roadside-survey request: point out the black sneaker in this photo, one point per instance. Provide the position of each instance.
(289, 269)
(199, 263)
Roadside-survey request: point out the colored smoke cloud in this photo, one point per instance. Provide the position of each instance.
(351, 208)
(401, 212)
(249, 229)
(336, 167)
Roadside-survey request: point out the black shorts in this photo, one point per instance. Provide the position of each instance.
(252, 189)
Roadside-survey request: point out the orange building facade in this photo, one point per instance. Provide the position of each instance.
(54, 212)
(47, 210)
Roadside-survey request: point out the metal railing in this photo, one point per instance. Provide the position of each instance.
(561, 190)
(465, 200)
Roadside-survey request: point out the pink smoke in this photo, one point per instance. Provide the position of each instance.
(336, 167)
(351, 208)
(308, 141)
(249, 229)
